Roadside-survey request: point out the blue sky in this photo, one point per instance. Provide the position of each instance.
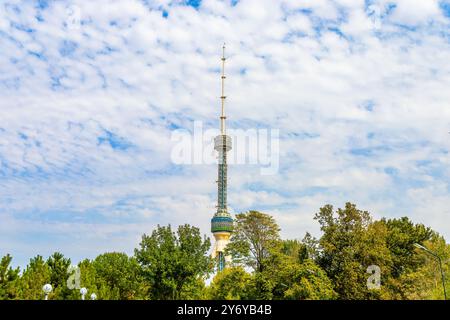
(91, 92)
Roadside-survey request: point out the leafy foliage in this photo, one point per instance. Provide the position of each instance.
(230, 284)
(255, 234)
(58, 266)
(172, 261)
(121, 274)
(36, 274)
(8, 279)
(349, 245)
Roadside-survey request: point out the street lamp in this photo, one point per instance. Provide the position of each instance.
(440, 264)
(93, 296)
(83, 292)
(47, 288)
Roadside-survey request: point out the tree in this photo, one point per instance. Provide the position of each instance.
(172, 261)
(194, 290)
(430, 280)
(121, 274)
(255, 235)
(305, 281)
(230, 284)
(349, 245)
(283, 269)
(8, 279)
(36, 274)
(290, 274)
(93, 283)
(407, 279)
(295, 249)
(401, 237)
(59, 274)
(311, 245)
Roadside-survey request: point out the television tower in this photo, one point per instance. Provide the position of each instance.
(222, 222)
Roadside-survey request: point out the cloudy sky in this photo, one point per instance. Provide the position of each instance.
(92, 91)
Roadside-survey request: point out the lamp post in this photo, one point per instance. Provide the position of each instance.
(83, 292)
(47, 288)
(440, 265)
(93, 296)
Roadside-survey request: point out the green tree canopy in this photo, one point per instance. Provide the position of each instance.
(121, 274)
(58, 266)
(349, 245)
(230, 284)
(290, 274)
(255, 235)
(36, 274)
(93, 283)
(173, 261)
(8, 279)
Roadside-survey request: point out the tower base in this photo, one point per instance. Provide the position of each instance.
(222, 239)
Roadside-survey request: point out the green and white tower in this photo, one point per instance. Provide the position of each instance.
(222, 222)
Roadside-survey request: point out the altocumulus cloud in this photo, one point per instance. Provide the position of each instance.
(91, 91)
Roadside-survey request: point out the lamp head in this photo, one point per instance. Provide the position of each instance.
(47, 288)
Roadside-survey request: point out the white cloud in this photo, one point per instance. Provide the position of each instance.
(413, 12)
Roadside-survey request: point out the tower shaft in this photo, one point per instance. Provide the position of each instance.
(222, 144)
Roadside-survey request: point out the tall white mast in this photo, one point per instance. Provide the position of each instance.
(223, 97)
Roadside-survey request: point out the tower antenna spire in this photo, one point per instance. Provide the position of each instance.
(223, 97)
